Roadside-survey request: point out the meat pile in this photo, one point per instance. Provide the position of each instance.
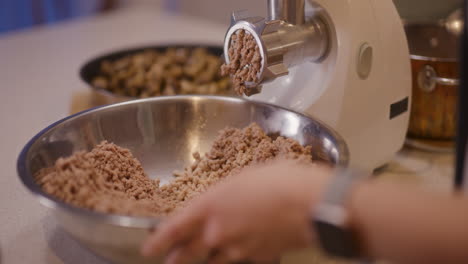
(109, 179)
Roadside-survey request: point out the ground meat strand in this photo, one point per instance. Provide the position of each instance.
(245, 62)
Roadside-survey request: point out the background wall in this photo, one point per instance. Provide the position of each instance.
(219, 10)
(19, 14)
(426, 10)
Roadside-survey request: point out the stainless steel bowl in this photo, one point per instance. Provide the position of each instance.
(162, 133)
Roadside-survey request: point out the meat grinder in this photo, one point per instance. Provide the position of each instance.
(345, 62)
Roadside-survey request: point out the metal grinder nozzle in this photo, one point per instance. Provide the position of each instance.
(285, 39)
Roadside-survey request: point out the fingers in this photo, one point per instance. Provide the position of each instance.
(229, 255)
(213, 234)
(219, 236)
(201, 249)
(195, 252)
(219, 258)
(176, 230)
(222, 233)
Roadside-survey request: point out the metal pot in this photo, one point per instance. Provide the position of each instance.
(434, 60)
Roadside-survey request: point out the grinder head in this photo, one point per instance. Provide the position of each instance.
(281, 44)
(271, 67)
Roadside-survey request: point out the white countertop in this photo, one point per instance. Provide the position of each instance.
(39, 74)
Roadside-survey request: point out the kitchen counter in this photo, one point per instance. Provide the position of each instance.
(39, 73)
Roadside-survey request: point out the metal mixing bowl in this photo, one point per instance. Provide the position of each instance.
(162, 133)
(92, 68)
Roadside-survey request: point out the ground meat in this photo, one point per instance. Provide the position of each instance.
(152, 73)
(245, 62)
(109, 179)
(232, 150)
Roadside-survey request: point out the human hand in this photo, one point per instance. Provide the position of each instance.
(256, 215)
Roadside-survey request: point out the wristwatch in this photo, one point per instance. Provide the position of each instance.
(331, 219)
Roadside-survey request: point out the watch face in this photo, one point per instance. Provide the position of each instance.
(335, 240)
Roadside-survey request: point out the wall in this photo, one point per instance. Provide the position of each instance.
(219, 10)
(426, 10)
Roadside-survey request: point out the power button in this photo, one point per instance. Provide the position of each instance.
(365, 58)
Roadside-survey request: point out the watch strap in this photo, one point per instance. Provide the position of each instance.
(331, 217)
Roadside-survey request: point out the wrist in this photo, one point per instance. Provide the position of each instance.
(334, 219)
(358, 198)
(303, 191)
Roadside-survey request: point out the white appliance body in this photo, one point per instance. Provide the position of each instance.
(370, 111)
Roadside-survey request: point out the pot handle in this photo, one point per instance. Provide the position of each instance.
(447, 81)
(428, 79)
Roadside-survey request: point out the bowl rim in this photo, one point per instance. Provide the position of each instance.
(137, 221)
(131, 50)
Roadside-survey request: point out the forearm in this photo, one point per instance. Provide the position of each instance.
(407, 225)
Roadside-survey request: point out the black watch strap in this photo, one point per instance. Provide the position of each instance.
(331, 218)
